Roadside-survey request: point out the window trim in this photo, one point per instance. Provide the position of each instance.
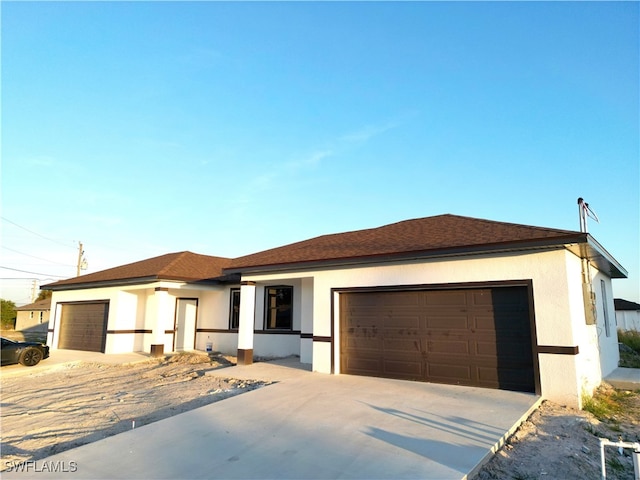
(605, 310)
(232, 294)
(267, 310)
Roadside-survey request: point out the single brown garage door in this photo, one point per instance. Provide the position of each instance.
(83, 326)
(472, 336)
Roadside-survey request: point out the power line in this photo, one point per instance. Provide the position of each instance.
(38, 258)
(32, 273)
(35, 233)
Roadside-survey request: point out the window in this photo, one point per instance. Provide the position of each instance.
(607, 328)
(41, 316)
(278, 308)
(30, 314)
(234, 310)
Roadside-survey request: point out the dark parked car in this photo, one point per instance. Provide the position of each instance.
(26, 353)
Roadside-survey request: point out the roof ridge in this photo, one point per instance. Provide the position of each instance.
(178, 256)
(517, 224)
(450, 215)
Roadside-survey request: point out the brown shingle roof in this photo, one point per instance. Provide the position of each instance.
(44, 304)
(418, 236)
(184, 266)
(622, 304)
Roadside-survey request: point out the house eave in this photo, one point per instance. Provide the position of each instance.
(536, 245)
(125, 282)
(594, 252)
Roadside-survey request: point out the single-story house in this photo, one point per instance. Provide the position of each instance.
(627, 314)
(446, 299)
(33, 317)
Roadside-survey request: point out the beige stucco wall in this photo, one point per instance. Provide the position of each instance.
(32, 320)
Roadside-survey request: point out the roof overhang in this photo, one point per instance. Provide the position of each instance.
(544, 244)
(127, 282)
(594, 252)
(580, 244)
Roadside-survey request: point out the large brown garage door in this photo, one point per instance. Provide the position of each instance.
(83, 326)
(471, 336)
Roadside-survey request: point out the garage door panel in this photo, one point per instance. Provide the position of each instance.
(453, 347)
(400, 321)
(401, 300)
(449, 373)
(487, 349)
(407, 370)
(488, 375)
(360, 344)
(361, 301)
(401, 345)
(83, 326)
(464, 336)
(483, 322)
(365, 366)
(512, 379)
(448, 297)
(363, 319)
(447, 322)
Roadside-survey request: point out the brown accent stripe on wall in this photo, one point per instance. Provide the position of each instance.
(306, 335)
(557, 350)
(216, 330)
(162, 289)
(129, 331)
(276, 332)
(169, 332)
(322, 339)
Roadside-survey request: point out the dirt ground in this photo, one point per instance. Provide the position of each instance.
(54, 410)
(557, 442)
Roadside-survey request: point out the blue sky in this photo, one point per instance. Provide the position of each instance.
(227, 128)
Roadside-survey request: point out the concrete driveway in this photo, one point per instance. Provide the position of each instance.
(308, 426)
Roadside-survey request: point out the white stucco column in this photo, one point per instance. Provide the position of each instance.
(247, 320)
(162, 320)
(306, 313)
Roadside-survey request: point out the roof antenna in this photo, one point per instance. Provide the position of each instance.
(584, 211)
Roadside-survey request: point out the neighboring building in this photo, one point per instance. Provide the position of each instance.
(627, 314)
(156, 303)
(445, 299)
(34, 317)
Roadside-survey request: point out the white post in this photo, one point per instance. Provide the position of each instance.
(246, 323)
(163, 312)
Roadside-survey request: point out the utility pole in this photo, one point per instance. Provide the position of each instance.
(81, 261)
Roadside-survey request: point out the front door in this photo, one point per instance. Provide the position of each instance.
(186, 313)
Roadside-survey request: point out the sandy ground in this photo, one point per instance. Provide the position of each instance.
(557, 442)
(54, 410)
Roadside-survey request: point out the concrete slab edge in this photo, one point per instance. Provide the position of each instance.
(624, 384)
(502, 440)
